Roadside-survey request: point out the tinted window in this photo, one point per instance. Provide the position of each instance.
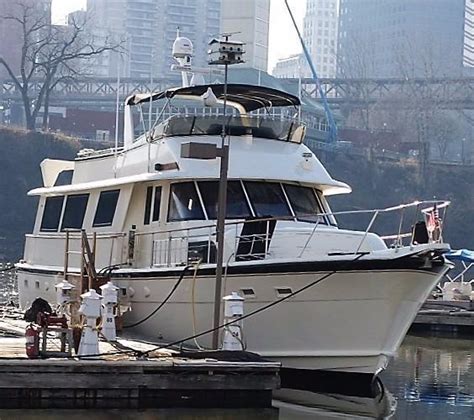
(149, 194)
(237, 206)
(156, 204)
(105, 212)
(75, 210)
(52, 214)
(184, 203)
(267, 199)
(304, 203)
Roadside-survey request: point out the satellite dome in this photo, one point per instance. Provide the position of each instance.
(182, 47)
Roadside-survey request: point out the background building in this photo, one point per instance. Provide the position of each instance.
(249, 20)
(290, 67)
(468, 51)
(320, 35)
(147, 29)
(320, 32)
(401, 38)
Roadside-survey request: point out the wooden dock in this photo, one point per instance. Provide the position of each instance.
(120, 380)
(446, 315)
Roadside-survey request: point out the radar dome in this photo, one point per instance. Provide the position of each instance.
(182, 47)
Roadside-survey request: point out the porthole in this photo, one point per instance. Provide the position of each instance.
(283, 291)
(248, 292)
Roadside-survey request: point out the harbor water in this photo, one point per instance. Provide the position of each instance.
(431, 378)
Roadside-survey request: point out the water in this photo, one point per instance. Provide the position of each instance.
(431, 378)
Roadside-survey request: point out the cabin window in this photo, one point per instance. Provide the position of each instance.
(267, 199)
(184, 203)
(52, 214)
(106, 207)
(149, 197)
(156, 204)
(237, 205)
(304, 202)
(76, 205)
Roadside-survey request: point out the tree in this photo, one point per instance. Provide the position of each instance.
(49, 53)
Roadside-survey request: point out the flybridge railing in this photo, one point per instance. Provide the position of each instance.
(252, 238)
(275, 128)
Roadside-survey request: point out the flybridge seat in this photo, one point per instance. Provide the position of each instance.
(261, 127)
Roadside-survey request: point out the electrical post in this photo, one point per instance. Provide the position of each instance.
(222, 52)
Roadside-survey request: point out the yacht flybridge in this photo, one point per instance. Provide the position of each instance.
(352, 294)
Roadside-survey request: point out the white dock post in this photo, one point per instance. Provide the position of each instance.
(233, 309)
(110, 296)
(91, 309)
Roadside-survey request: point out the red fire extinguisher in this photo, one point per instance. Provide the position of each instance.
(32, 341)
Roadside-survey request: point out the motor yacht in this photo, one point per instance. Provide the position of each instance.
(346, 298)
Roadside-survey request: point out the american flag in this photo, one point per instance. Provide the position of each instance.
(433, 219)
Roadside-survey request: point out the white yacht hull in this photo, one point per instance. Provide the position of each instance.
(351, 321)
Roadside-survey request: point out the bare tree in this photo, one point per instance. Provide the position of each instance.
(359, 63)
(49, 53)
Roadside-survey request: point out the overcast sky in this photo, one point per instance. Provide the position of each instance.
(283, 38)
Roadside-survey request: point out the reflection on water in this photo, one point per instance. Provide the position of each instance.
(433, 378)
(304, 405)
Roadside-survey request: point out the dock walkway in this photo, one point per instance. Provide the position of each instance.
(446, 315)
(122, 380)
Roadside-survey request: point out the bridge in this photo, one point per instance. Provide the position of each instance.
(447, 93)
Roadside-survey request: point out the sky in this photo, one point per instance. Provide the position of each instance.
(283, 38)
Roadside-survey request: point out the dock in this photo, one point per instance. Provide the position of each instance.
(164, 379)
(438, 315)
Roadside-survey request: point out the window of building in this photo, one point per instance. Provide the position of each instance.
(304, 203)
(184, 203)
(74, 212)
(237, 205)
(52, 214)
(267, 199)
(106, 207)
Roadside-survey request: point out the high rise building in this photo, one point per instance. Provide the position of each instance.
(320, 31)
(401, 38)
(320, 35)
(147, 29)
(468, 47)
(249, 21)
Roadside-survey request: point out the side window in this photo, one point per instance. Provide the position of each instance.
(304, 203)
(237, 206)
(267, 199)
(104, 215)
(156, 204)
(52, 214)
(76, 205)
(184, 203)
(149, 196)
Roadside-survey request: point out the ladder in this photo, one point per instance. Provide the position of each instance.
(88, 277)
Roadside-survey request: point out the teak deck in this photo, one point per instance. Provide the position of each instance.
(120, 381)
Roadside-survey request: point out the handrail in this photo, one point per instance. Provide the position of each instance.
(174, 246)
(443, 204)
(440, 204)
(56, 235)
